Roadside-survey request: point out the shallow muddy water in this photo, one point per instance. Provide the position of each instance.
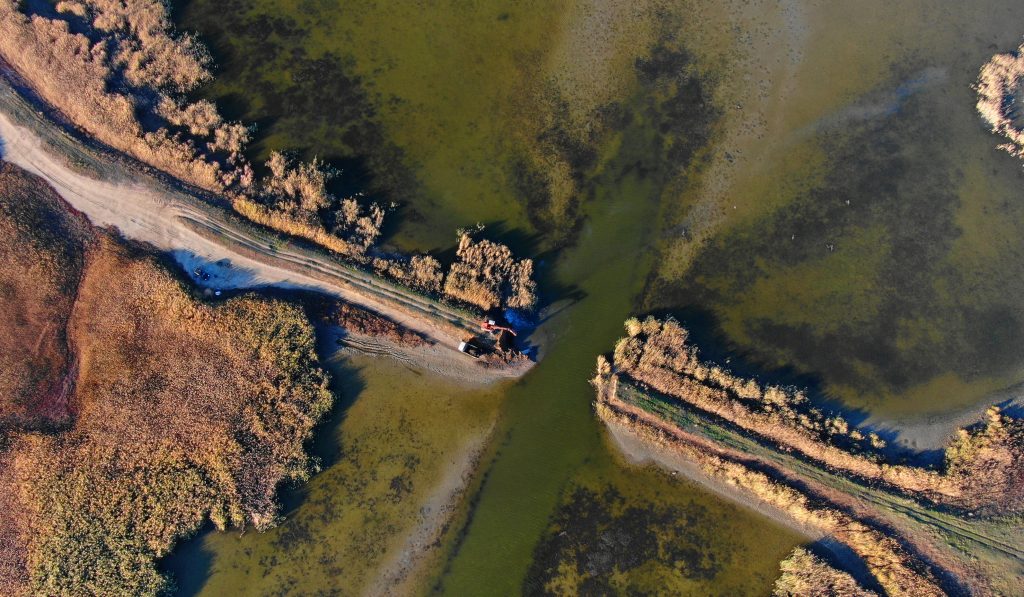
(866, 236)
(805, 184)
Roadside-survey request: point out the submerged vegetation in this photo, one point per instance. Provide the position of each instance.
(177, 411)
(656, 377)
(600, 543)
(121, 73)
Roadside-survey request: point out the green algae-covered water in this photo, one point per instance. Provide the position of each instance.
(809, 187)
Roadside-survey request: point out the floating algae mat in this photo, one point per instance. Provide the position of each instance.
(811, 182)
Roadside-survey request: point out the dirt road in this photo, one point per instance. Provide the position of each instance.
(112, 192)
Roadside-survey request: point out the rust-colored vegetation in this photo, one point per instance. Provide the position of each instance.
(181, 412)
(361, 321)
(41, 261)
(657, 354)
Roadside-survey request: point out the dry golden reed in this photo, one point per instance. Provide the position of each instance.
(177, 411)
(895, 569)
(487, 276)
(658, 354)
(1000, 88)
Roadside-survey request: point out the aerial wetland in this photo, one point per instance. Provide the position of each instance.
(806, 187)
(811, 188)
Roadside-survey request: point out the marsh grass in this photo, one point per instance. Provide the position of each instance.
(177, 411)
(379, 473)
(657, 354)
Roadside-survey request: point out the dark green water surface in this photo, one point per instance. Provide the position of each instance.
(812, 191)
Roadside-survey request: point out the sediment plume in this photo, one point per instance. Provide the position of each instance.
(1000, 88)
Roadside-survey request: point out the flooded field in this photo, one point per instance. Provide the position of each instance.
(805, 184)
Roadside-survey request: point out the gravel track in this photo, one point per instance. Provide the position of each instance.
(116, 192)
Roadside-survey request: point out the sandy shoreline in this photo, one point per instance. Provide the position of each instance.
(639, 452)
(404, 567)
(934, 431)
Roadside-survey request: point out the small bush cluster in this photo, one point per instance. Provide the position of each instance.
(806, 575)
(657, 353)
(361, 321)
(1000, 87)
(487, 275)
(298, 192)
(421, 272)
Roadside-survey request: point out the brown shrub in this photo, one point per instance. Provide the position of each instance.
(806, 575)
(298, 192)
(117, 70)
(183, 412)
(422, 272)
(487, 275)
(361, 321)
(264, 216)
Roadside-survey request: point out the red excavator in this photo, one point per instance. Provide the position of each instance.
(489, 325)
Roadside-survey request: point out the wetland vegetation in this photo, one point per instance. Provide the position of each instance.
(671, 145)
(736, 431)
(129, 448)
(807, 186)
